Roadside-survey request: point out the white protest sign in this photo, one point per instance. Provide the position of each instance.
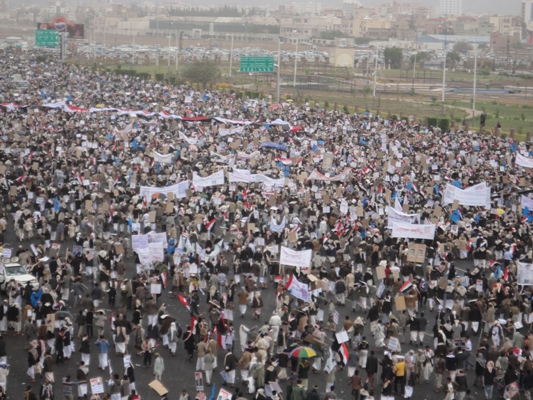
(295, 258)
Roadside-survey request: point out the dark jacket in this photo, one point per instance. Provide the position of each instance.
(371, 364)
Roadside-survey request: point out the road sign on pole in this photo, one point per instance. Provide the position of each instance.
(48, 38)
(257, 64)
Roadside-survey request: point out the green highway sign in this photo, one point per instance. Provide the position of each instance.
(45, 37)
(257, 64)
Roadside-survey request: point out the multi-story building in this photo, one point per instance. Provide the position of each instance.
(527, 13)
(451, 7)
(350, 7)
(506, 25)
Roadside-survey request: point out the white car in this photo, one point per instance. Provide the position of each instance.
(13, 270)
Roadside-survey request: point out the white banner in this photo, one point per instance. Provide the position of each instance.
(298, 289)
(151, 254)
(188, 139)
(215, 179)
(245, 156)
(240, 175)
(179, 190)
(401, 217)
(524, 161)
(157, 237)
(527, 202)
(524, 274)
(321, 177)
(215, 157)
(478, 195)
(295, 258)
(265, 179)
(162, 158)
(275, 227)
(244, 175)
(413, 231)
(231, 131)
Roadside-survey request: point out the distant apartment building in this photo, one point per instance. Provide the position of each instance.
(301, 8)
(451, 7)
(506, 25)
(350, 7)
(527, 13)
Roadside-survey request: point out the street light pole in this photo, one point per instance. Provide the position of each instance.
(168, 67)
(157, 33)
(375, 78)
(231, 56)
(414, 70)
(279, 65)
(444, 69)
(475, 84)
(177, 53)
(295, 63)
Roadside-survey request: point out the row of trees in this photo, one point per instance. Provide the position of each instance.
(394, 55)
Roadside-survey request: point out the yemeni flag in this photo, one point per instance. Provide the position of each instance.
(221, 341)
(506, 274)
(210, 224)
(406, 287)
(184, 302)
(290, 282)
(194, 322)
(343, 351)
(494, 264)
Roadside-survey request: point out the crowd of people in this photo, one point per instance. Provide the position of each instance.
(139, 217)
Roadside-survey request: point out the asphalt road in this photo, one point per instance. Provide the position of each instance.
(179, 372)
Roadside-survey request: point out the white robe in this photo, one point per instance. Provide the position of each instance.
(243, 336)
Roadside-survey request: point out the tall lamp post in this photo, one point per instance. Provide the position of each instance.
(295, 61)
(157, 33)
(231, 56)
(375, 78)
(414, 70)
(168, 66)
(445, 27)
(278, 80)
(475, 84)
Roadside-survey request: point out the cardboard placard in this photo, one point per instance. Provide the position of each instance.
(152, 216)
(380, 272)
(119, 249)
(170, 207)
(399, 302)
(416, 253)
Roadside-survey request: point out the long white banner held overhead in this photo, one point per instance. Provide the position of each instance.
(245, 156)
(162, 158)
(215, 179)
(178, 190)
(231, 131)
(244, 175)
(524, 274)
(524, 161)
(413, 231)
(321, 177)
(478, 195)
(240, 175)
(295, 258)
(401, 217)
(265, 179)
